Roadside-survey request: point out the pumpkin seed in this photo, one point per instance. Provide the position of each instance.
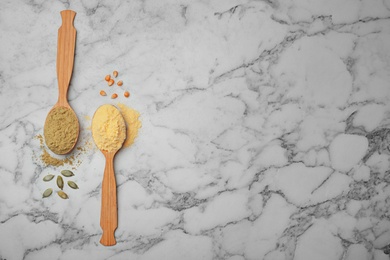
(47, 193)
(48, 177)
(60, 182)
(73, 185)
(63, 195)
(67, 173)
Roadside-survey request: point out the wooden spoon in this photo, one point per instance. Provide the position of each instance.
(65, 59)
(109, 214)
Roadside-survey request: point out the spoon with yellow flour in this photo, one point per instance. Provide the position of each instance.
(109, 133)
(61, 128)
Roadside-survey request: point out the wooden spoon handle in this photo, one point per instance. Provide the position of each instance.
(109, 214)
(65, 54)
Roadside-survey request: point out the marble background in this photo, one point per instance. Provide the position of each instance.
(266, 129)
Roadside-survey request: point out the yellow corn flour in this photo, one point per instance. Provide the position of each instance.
(133, 123)
(108, 128)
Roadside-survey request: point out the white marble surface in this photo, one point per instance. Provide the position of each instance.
(266, 129)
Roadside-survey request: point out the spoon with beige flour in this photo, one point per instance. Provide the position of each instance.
(109, 133)
(61, 129)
